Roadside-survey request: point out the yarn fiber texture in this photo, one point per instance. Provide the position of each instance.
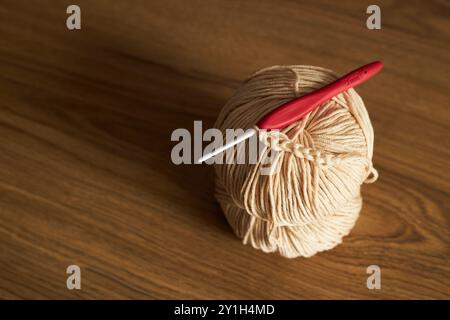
(314, 200)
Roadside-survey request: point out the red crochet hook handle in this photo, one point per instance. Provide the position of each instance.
(296, 109)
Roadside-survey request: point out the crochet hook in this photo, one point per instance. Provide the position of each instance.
(298, 108)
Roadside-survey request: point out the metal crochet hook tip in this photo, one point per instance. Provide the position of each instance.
(249, 133)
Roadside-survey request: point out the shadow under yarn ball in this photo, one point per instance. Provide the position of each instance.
(314, 200)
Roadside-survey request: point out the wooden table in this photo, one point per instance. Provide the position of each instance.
(85, 123)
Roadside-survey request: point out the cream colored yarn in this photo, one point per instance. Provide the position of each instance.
(314, 200)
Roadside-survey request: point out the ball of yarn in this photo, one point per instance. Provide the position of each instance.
(314, 200)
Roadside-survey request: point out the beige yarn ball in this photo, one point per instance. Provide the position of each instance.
(314, 200)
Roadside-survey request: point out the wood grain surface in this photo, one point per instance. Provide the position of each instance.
(85, 123)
